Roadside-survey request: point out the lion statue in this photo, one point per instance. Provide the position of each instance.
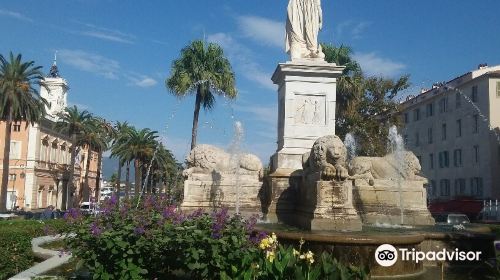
(327, 156)
(388, 167)
(207, 158)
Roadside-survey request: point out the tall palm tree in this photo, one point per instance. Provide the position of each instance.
(72, 122)
(94, 138)
(202, 69)
(107, 134)
(139, 147)
(119, 137)
(19, 101)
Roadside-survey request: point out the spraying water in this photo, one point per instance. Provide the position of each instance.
(395, 146)
(351, 145)
(235, 152)
(476, 108)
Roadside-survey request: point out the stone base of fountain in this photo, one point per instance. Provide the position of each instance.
(326, 205)
(380, 203)
(215, 190)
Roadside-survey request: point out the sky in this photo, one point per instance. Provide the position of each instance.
(116, 55)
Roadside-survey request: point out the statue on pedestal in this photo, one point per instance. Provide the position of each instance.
(304, 21)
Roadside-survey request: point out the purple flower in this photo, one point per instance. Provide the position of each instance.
(95, 229)
(250, 223)
(113, 200)
(196, 214)
(169, 212)
(256, 238)
(219, 222)
(139, 230)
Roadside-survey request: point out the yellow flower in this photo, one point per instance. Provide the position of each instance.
(264, 244)
(273, 237)
(270, 256)
(310, 257)
(295, 252)
(302, 257)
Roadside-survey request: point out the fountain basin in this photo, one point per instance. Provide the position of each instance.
(358, 248)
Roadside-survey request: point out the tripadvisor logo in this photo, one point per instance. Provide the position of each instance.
(387, 255)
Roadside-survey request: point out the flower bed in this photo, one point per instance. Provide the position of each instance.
(155, 240)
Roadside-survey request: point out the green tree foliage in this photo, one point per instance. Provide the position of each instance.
(366, 106)
(72, 122)
(204, 70)
(19, 101)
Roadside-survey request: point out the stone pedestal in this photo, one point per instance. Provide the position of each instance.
(306, 108)
(327, 205)
(216, 190)
(381, 203)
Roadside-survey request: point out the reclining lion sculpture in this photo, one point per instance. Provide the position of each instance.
(205, 159)
(386, 168)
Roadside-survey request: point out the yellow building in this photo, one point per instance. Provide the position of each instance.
(40, 157)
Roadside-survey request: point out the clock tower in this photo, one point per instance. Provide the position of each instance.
(54, 89)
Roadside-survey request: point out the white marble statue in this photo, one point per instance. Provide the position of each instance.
(304, 21)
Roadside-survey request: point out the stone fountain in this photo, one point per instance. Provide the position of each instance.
(332, 201)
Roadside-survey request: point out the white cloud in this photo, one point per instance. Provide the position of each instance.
(242, 57)
(141, 80)
(15, 15)
(372, 64)
(107, 34)
(352, 29)
(90, 62)
(264, 31)
(108, 37)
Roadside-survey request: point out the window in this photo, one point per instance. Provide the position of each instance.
(407, 118)
(476, 153)
(12, 177)
(53, 153)
(475, 123)
(430, 135)
(444, 187)
(459, 128)
(433, 188)
(416, 114)
(43, 150)
(39, 197)
(458, 100)
(457, 157)
(498, 89)
(444, 159)
(15, 150)
(417, 139)
(474, 94)
(429, 110)
(50, 196)
(431, 161)
(16, 127)
(443, 105)
(476, 186)
(443, 132)
(460, 186)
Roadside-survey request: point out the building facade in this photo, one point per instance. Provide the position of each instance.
(454, 130)
(40, 157)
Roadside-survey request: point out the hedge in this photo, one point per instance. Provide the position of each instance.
(15, 243)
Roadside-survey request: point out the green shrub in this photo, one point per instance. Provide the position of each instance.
(15, 244)
(154, 240)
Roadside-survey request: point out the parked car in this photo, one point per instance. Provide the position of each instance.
(452, 218)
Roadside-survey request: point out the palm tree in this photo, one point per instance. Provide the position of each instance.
(73, 123)
(140, 146)
(94, 137)
(202, 69)
(119, 138)
(19, 101)
(350, 82)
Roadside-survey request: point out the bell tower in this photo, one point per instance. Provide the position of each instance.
(54, 89)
